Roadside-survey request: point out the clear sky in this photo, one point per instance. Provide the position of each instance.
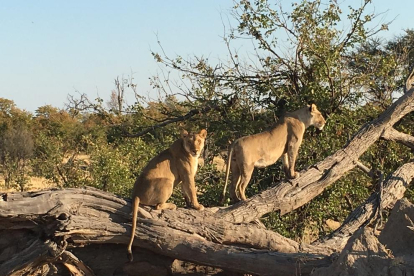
(49, 48)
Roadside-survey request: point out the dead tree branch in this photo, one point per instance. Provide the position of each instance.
(392, 134)
(187, 116)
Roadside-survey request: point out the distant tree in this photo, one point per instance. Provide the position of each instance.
(16, 143)
(117, 103)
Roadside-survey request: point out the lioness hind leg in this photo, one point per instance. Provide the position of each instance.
(235, 183)
(166, 205)
(246, 175)
(234, 188)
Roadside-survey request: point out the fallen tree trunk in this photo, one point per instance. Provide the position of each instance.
(79, 217)
(42, 228)
(88, 216)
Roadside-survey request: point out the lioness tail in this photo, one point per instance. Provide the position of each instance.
(135, 206)
(223, 196)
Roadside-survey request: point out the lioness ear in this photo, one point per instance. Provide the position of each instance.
(203, 133)
(312, 107)
(184, 133)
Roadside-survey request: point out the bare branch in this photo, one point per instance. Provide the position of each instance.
(411, 226)
(365, 169)
(392, 134)
(187, 116)
(354, 26)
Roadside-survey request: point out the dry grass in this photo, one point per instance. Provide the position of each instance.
(40, 183)
(34, 184)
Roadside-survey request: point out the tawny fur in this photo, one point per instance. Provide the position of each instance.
(175, 165)
(263, 149)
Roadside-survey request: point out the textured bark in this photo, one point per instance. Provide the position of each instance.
(394, 188)
(403, 138)
(388, 254)
(86, 216)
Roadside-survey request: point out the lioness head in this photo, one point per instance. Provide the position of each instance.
(194, 142)
(317, 119)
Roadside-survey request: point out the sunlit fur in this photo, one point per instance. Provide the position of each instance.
(175, 165)
(265, 148)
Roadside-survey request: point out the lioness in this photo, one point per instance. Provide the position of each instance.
(265, 148)
(175, 165)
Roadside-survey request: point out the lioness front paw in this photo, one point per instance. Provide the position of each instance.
(199, 207)
(294, 175)
(163, 206)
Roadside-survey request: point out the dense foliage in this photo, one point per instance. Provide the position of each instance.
(351, 73)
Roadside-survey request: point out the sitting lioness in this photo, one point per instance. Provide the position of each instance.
(175, 165)
(265, 148)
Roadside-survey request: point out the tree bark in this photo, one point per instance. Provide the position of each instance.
(393, 189)
(403, 138)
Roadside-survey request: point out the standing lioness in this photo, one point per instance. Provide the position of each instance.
(265, 148)
(173, 166)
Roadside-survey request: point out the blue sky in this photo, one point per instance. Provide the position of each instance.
(49, 49)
